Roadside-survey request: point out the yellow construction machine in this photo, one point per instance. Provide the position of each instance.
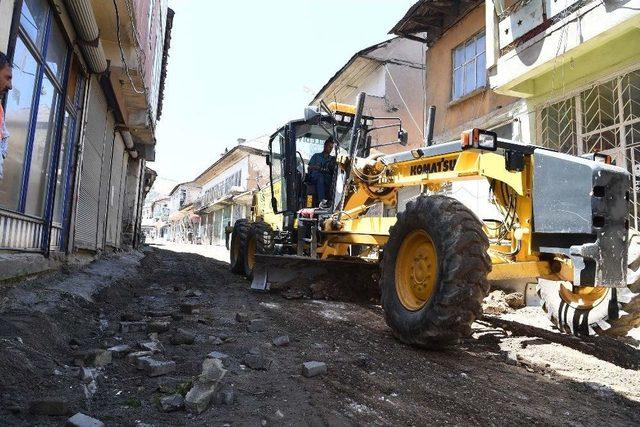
(563, 219)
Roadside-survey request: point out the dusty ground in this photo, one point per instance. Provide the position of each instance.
(507, 373)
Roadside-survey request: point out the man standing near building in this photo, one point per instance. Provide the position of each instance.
(5, 86)
(321, 167)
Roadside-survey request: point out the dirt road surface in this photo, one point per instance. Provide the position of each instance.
(506, 373)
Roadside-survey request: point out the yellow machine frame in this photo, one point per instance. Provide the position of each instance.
(514, 261)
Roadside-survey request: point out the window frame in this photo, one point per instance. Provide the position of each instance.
(465, 62)
(60, 84)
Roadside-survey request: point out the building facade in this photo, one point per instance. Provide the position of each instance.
(565, 75)
(389, 73)
(87, 89)
(227, 189)
(182, 221)
(576, 65)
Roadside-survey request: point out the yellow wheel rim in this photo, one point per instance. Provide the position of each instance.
(251, 253)
(416, 270)
(582, 297)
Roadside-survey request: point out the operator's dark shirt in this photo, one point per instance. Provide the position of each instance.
(319, 159)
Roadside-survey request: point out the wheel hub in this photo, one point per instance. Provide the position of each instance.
(416, 270)
(582, 297)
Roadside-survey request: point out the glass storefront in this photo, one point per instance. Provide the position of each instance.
(40, 119)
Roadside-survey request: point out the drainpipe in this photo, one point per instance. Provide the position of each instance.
(84, 22)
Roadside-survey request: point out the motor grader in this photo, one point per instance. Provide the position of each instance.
(563, 221)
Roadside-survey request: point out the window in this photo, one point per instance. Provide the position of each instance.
(35, 112)
(469, 67)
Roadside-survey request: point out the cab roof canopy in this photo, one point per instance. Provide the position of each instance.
(432, 17)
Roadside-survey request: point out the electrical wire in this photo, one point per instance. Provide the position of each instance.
(403, 101)
(122, 56)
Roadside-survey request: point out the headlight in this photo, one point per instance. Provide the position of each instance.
(479, 138)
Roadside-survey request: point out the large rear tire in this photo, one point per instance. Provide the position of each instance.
(241, 231)
(258, 241)
(434, 272)
(594, 311)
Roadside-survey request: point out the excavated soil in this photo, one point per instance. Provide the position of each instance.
(506, 373)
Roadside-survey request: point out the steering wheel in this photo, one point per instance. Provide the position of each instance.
(304, 173)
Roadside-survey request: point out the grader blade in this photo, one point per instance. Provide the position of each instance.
(285, 271)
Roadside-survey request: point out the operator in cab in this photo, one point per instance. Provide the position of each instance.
(321, 170)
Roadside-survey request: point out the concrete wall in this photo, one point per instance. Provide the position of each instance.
(594, 38)
(453, 117)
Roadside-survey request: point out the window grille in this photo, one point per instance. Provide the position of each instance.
(602, 118)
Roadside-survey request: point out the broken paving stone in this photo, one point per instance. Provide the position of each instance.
(242, 317)
(158, 313)
(131, 317)
(212, 371)
(313, 368)
(194, 293)
(158, 327)
(119, 351)
(257, 362)
(495, 303)
(152, 346)
(182, 336)
(211, 339)
(226, 396)
(133, 357)
(515, 300)
(155, 368)
(51, 407)
(257, 325)
(199, 397)
(87, 375)
(82, 420)
(93, 357)
(218, 355)
(281, 341)
(126, 327)
(189, 307)
(175, 402)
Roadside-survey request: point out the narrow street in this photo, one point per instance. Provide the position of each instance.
(182, 306)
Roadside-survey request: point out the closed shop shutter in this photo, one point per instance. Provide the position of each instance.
(96, 132)
(123, 187)
(115, 191)
(105, 175)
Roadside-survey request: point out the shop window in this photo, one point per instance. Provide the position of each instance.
(469, 66)
(18, 114)
(35, 115)
(44, 132)
(33, 20)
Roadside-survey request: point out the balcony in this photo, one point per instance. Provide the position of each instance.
(540, 46)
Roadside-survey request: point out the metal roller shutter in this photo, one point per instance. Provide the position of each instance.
(105, 175)
(123, 187)
(115, 190)
(86, 232)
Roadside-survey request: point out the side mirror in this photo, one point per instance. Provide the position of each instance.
(403, 137)
(312, 114)
(267, 159)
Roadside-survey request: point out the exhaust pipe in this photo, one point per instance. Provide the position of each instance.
(431, 119)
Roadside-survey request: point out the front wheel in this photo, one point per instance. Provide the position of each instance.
(433, 284)
(239, 236)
